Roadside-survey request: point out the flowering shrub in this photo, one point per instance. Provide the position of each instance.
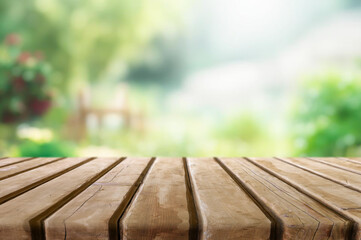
(24, 90)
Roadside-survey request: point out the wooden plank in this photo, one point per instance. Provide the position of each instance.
(9, 161)
(345, 178)
(356, 160)
(16, 185)
(138, 198)
(224, 209)
(340, 163)
(159, 209)
(298, 216)
(87, 215)
(332, 195)
(33, 205)
(21, 167)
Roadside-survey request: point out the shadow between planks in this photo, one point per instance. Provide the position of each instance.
(180, 198)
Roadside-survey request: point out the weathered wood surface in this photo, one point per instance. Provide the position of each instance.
(14, 169)
(213, 186)
(4, 162)
(180, 198)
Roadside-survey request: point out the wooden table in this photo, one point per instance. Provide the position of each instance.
(180, 198)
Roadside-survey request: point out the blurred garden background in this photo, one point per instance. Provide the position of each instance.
(180, 78)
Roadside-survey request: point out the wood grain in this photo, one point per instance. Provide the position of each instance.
(340, 176)
(298, 216)
(10, 161)
(87, 215)
(354, 159)
(226, 211)
(162, 203)
(330, 194)
(175, 198)
(16, 185)
(341, 163)
(16, 213)
(19, 168)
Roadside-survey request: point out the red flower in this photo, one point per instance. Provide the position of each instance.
(19, 84)
(38, 106)
(24, 57)
(12, 39)
(9, 117)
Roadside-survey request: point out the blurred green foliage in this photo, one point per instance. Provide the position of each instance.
(24, 90)
(243, 127)
(52, 148)
(81, 38)
(328, 116)
(162, 64)
(84, 41)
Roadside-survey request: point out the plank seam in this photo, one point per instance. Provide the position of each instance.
(24, 160)
(349, 160)
(276, 222)
(192, 209)
(31, 168)
(40, 182)
(352, 223)
(257, 177)
(113, 224)
(37, 223)
(320, 175)
(334, 165)
(293, 197)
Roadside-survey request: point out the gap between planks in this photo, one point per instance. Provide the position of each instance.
(37, 223)
(31, 168)
(352, 222)
(37, 227)
(113, 225)
(40, 182)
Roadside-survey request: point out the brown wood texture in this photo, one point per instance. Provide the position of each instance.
(161, 202)
(12, 170)
(224, 208)
(92, 209)
(180, 198)
(4, 162)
